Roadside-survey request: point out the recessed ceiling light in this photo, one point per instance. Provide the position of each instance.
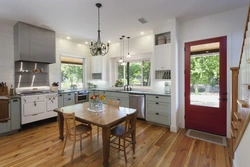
(142, 33)
(68, 38)
(109, 41)
(86, 43)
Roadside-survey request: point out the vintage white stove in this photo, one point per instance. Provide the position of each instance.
(37, 103)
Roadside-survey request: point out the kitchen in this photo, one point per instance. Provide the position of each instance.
(142, 46)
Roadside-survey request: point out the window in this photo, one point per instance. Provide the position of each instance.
(71, 73)
(138, 73)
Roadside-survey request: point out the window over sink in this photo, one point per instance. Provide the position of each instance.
(135, 73)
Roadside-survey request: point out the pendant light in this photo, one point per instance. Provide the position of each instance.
(121, 60)
(99, 48)
(128, 48)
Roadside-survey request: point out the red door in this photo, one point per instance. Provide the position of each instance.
(205, 85)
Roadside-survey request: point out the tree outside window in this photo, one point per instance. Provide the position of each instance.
(138, 72)
(71, 76)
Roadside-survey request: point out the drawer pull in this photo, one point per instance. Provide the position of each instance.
(34, 114)
(60, 95)
(156, 103)
(69, 94)
(157, 113)
(69, 98)
(156, 97)
(15, 100)
(118, 99)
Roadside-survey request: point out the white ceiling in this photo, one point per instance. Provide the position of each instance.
(78, 18)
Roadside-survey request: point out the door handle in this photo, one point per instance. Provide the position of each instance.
(223, 99)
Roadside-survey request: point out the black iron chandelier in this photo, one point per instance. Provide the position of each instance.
(99, 48)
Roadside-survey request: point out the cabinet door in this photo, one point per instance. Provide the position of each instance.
(5, 127)
(68, 101)
(96, 64)
(33, 108)
(60, 100)
(162, 55)
(15, 112)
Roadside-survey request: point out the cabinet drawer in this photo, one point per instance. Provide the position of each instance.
(119, 95)
(164, 108)
(158, 98)
(68, 95)
(160, 119)
(68, 101)
(123, 101)
(105, 93)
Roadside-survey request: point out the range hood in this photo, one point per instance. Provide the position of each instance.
(34, 44)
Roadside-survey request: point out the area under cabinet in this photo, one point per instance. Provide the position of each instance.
(15, 118)
(158, 109)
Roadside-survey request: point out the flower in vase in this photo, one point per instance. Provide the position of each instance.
(102, 97)
(93, 98)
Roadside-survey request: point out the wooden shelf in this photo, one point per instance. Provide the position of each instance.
(242, 103)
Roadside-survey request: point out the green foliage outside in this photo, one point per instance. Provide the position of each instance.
(71, 75)
(204, 70)
(139, 73)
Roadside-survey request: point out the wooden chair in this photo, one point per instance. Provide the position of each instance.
(124, 132)
(114, 103)
(75, 132)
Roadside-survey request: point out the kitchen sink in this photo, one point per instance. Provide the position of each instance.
(131, 91)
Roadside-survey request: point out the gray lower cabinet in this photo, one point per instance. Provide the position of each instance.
(158, 109)
(68, 99)
(60, 100)
(15, 118)
(122, 97)
(15, 112)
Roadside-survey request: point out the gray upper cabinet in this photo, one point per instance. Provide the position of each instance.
(34, 44)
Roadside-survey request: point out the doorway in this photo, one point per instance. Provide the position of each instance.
(205, 85)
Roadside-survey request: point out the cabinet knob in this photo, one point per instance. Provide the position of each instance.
(156, 103)
(157, 113)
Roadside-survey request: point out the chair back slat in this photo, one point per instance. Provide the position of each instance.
(130, 124)
(70, 124)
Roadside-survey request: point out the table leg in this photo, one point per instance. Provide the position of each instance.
(60, 121)
(106, 145)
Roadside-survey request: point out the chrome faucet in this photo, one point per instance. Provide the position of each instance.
(128, 88)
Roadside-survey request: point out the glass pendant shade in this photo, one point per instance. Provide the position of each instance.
(128, 55)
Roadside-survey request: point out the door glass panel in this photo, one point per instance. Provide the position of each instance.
(204, 75)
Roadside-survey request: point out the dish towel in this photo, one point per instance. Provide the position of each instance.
(4, 109)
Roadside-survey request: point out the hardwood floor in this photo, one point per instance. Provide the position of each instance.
(156, 146)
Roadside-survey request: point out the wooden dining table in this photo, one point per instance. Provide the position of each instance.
(106, 119)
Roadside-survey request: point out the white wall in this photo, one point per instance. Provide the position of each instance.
(241, 158)
(231, 24)
(68, 48)
(6, 53)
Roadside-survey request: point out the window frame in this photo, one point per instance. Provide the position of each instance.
(84, 72)
(124, 71)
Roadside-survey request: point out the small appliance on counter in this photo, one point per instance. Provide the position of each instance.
(167, 88)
